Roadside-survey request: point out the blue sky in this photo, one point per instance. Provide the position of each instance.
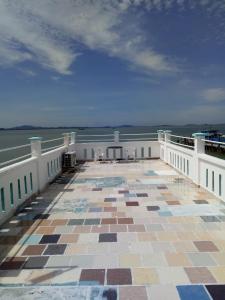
(111, 62)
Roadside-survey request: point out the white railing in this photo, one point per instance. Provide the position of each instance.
(182, 141)
(8, 162)
(11, 149)
(20, 180)
(205, 170)
(121, 146)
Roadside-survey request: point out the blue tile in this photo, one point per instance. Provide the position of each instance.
(95, 209)
(131, 195)
(192, 292)
(30, 239)
(165, 214)
(150, 173)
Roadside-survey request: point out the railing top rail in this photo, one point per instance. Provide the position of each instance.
(53, 140)
(87, 141)
(183, 137)
(14, 160)
(95, 135)
(140, 139)
(180, 144)
(14, 148)
(52, 148)
(145, 133)
(213, 142)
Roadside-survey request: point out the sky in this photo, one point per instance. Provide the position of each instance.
(112, 62)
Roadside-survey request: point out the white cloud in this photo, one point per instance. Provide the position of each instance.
(53, 32)
(43, 31)
(214, 94)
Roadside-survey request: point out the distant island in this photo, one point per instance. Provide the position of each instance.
(30, 127)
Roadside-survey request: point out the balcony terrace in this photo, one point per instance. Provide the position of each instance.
(135, 230)
(128, 229)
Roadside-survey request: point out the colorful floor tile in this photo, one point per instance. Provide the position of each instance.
(116, 231)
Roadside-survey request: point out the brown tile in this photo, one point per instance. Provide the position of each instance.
(100, 228)
(119, 277)
(173, 202)
(206, 246)
(26, 223)
(109, 221)
(43, 222)
(59, 222)
(118, 228)
(132, 203)
(125, 221)
(45, 230)
(92, 277)
(34, 250)
(16, 259)
(124, 192)
(133, 293)
(200, 275)
(136, 228)
(82, 229)
(69, 238)
(201, 201)
(13, 263)
(110, 209)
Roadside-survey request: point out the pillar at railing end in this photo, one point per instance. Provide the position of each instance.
(35, 146)
(73, 136)
(167, 134)
(199, 143)
(116, 136)
(160, 135)
(66, 139)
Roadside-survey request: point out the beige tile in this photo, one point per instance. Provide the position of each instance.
(76, 249)
(218, 273)
(129, 260)
(145, 276)
(146, 236)
(219, 257)
(167, 236)
(177, 259)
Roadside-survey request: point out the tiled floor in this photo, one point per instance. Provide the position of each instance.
(116, 231)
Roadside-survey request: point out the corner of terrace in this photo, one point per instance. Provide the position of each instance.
(140, 217)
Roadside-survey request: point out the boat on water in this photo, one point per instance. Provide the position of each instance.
(214, 135)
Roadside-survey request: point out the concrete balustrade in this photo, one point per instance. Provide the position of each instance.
(21, 180)
(204, 170)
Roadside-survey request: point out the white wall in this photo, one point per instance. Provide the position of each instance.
(128, 149)
(199, 163)
(217, 166)
(37, 167)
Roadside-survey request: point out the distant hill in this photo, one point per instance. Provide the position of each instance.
(30, 127)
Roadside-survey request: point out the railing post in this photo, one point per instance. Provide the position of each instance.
(35, 146)
(167, 137)
(36, 152)
(66, 139)
(73, 137)
(167, 134)
(160, 135)
(116, 136)
(199, 148)
(199, 143)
